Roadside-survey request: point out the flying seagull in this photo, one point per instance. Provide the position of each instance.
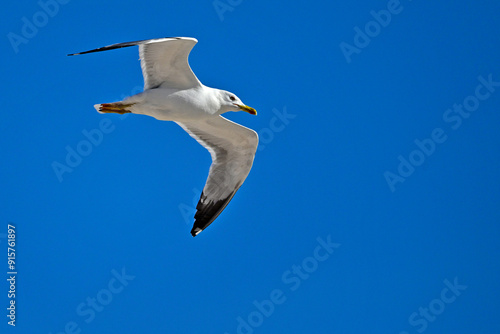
(173, 93)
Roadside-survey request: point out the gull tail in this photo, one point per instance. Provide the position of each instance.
(116, 107)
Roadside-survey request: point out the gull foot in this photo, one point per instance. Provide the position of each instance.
(117, 108)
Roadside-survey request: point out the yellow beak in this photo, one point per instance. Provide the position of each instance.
(248, 109)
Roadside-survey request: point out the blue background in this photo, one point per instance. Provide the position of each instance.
(129, 203)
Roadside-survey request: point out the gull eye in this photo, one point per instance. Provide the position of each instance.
(232, 98)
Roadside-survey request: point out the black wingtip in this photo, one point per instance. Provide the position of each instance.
(85, 52)
(124, 45)
(207, 213)
(195, 231)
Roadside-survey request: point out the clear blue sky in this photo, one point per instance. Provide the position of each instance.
(372, 205)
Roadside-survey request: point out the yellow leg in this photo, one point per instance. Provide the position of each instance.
(117, 107)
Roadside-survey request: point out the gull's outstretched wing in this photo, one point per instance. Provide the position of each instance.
(233, 148)
(164, 61)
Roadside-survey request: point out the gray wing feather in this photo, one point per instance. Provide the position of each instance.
(164, 61)
(232, 148)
